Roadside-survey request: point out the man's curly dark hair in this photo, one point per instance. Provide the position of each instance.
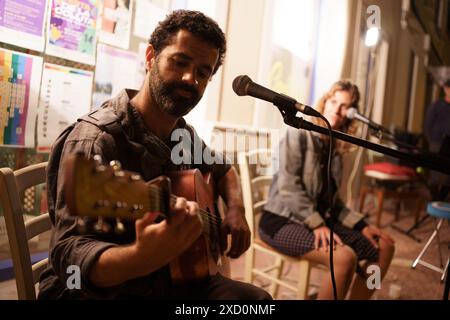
(196, 23)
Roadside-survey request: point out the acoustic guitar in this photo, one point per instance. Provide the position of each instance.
(95, 190)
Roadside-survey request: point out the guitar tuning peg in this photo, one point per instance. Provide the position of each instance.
(120, 205)
(116, 165)
(102, 226)
(99, 163)
(98, 159)
(135, 177)
(101, 204)
(136, 208)
(81, 225)
(119, 228)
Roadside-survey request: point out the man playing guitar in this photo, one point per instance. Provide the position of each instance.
(135, 127)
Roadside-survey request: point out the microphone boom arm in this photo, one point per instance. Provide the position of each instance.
(431, 161)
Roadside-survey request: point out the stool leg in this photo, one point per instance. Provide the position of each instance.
(362, 198)
(274, 287)
(249, 264)
(441, 263)
(445, 270)
(380, 195)
(398, 206)
(447, 285)
(418, 209)
(433, 235)
(447, 278)
(303, 279)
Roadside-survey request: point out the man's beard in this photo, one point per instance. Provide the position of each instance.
(165, 96)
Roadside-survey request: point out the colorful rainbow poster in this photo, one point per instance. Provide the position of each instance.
(72, 30)
(20, 75)
(65, 96)
(22, 23)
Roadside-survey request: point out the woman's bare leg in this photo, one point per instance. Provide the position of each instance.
(360, 290)
(344, 262)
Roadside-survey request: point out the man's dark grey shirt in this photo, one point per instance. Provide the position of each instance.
(68, 246)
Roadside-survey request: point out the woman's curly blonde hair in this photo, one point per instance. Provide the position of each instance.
(349, 126)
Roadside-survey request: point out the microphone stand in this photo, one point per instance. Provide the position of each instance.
(437, 163)
(380, 132)
(383, 133)
(431, 161)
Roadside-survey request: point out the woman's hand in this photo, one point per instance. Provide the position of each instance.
(374, 234)
(322, 238)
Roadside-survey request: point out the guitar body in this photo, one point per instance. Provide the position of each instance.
(95, 190)
(198, 261)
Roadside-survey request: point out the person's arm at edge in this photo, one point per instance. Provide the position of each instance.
(229, 188)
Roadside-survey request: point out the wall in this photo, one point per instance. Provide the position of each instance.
(402, 42)
(247, 36)
(244, 34)
(393, 104)
(402, 106)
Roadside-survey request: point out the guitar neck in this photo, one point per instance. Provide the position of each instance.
(95, 190)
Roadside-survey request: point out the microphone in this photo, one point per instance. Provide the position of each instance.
(244, 86)
(352, 113)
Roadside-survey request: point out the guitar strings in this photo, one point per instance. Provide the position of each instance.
(204, 213)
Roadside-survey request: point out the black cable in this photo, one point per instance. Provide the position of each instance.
(331, 202)
(290, 119)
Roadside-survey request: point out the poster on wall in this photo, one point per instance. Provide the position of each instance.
(115, 22)
(20, 75)
(65, 96)
(72, 30)
(140, 63)
(22, 23)
(148, 14)
(115, 70)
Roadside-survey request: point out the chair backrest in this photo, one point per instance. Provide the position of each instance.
(256, 177)
(12, 186)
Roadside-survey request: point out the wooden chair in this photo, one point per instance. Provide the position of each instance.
(255, 189)
(398, 187)
(12, 186)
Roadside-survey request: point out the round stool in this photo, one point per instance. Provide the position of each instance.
(441, 211)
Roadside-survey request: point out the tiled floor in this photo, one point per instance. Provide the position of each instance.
(420, 283)
(415, 284)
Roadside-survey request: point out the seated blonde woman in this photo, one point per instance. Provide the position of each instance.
(296, 220)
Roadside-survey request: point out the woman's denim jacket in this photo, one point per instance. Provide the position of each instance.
(298, 182)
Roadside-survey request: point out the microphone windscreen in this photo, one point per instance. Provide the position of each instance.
(240, 85)
(351, 113)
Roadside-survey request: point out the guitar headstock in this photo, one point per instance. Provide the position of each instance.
(93, 189)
